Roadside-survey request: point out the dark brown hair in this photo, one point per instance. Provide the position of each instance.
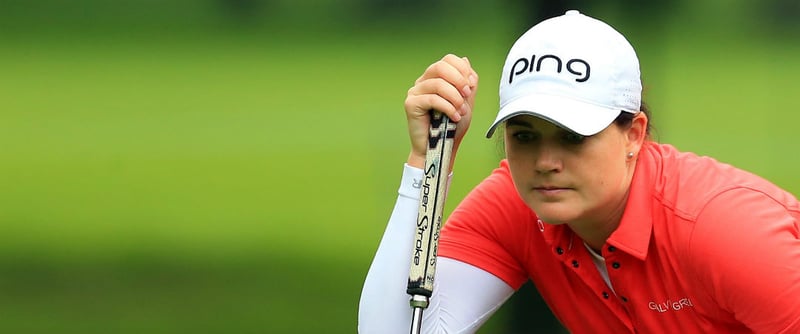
(625, 119)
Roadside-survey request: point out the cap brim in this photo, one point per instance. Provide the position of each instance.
(580, 117)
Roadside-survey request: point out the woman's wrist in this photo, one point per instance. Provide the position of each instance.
(416, 160)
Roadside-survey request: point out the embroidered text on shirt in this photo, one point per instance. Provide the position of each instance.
(670, 305)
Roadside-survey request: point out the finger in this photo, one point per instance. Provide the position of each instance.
(421, 104)
(449, 73)
(472, 79)
(464, 66)
(461, 64)
(442, 88)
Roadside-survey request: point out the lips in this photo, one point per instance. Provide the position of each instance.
(550, 190)
(548, 187)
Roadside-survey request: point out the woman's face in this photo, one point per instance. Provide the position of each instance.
(565, 177)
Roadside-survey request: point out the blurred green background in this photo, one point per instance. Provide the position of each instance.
(228, 166)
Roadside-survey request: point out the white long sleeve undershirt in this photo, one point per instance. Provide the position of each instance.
(464, 296)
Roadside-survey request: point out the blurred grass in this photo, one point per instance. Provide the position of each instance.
(240, 182)
(191, 186)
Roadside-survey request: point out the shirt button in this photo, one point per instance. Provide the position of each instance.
(611, 248)
(605, 295)
(615, 265)
(575, 263)
(559, 250)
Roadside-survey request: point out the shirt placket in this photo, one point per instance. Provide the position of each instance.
(580, 263)
(619, 266)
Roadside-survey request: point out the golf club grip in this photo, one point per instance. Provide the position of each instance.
(433, 190)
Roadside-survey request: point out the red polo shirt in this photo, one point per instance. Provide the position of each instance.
(702, 248)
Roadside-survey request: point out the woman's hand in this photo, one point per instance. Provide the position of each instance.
(448, 86)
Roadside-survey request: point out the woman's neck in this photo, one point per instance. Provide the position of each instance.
(594, 237)
(596, 232)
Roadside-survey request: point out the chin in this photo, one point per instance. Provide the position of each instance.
(552, 221)
(553, 213)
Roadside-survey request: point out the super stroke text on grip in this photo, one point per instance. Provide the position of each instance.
(422, 224)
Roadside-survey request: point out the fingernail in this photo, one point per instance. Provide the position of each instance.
(456, 117)
(467, 60)
(473, 80)
(465, 108)
(466, 90)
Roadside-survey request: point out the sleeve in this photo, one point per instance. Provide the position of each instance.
(490, 229)
(746, 250)
(463, 298)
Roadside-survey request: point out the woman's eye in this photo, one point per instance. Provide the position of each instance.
(524, 136)
(573, 138)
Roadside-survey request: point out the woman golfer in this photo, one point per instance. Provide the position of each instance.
(618, 233)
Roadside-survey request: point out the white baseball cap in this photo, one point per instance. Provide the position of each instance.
(572, 70)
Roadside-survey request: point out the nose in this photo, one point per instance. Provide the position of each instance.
(548, 159)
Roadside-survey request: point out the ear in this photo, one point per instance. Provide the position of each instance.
(637, 133)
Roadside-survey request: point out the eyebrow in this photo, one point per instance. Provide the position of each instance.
(517, 122)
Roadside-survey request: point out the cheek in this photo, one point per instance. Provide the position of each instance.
(517, 171)
(515, 159)
(606, 178)
(521, 169)
(520, 164)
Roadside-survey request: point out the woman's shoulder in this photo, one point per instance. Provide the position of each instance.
(689, 182)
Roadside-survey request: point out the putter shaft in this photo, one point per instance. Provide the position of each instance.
(418, 304)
